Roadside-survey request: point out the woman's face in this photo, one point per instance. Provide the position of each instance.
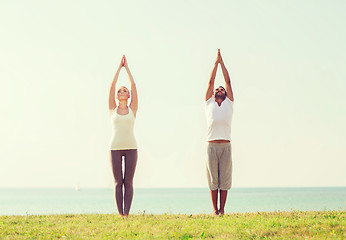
(123, 93)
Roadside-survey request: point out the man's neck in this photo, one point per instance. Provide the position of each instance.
(219, 101)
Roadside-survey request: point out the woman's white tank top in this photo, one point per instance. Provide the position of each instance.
(122, 131)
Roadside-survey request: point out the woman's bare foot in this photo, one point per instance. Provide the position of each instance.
(216, 212)
(222, 211)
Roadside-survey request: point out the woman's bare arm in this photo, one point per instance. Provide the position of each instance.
(134, 96)
(111, 99)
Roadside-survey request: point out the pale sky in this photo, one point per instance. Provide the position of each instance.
(287, 61)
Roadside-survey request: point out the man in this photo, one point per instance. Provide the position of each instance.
(219, 110)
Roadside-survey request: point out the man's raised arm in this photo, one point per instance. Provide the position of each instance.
(226, 77)
(210, 88)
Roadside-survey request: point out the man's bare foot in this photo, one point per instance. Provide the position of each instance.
(216, 212)
(222, 211)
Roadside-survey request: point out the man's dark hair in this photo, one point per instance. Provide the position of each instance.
(223, 89)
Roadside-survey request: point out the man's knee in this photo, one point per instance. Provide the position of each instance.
(226, 185)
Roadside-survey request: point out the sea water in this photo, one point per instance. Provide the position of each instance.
(171, 201)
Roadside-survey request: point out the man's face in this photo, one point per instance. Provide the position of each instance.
(219, 93)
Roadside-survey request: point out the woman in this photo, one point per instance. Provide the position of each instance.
(123, 142)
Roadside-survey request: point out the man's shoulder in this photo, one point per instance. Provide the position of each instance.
(228, 100)
(210, 100)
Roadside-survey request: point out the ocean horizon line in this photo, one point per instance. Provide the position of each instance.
(174, 188)
(18, 201)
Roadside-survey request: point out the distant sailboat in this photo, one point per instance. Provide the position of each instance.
(77, 187)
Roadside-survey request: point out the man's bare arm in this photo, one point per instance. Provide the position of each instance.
(227, 78)
(211, 83)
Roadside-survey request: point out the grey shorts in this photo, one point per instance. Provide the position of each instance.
(219, 166)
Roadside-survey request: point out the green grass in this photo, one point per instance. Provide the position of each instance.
(260, 225)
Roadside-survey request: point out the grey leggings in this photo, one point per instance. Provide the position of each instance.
(130, 159)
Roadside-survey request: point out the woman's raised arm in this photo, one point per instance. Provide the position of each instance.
(134, 96)
(111, 99)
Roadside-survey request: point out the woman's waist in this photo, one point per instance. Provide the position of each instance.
(123, 137)
(123, 131)
(121, 145)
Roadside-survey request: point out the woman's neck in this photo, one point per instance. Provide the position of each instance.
(122, 104)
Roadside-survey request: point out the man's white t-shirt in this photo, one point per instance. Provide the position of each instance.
(219, 119)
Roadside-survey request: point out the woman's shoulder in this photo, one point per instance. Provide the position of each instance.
(112, 111)
(133, 112)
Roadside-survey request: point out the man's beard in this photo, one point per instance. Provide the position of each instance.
(220, 96)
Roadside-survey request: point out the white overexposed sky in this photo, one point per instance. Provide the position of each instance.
(287, 60)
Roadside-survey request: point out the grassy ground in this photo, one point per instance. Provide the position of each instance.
(260, 225)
